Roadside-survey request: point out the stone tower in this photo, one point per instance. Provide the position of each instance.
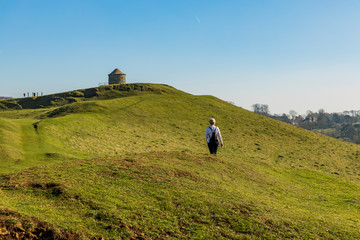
(117, 77)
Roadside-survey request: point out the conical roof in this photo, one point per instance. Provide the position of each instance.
(117, 72)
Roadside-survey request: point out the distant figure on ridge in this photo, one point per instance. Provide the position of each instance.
(213, 136)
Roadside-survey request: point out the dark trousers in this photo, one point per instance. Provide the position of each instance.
(213, 147)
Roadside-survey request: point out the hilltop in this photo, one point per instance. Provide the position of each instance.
(102, 92)
(130, 161)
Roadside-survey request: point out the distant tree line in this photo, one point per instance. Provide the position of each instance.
(2, 98)
(344, 125)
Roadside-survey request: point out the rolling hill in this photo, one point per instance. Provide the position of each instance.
(130, 162)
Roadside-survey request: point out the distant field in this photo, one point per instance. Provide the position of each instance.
(131, 162)
(327, 131)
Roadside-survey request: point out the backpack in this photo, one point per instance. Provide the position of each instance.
(213, 138)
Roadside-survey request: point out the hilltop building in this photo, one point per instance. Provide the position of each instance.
(117, 77)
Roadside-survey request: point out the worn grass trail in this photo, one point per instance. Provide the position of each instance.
(137, 166)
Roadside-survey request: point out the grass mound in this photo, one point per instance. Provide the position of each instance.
(14, 226)
(75, 108)
(178, 195)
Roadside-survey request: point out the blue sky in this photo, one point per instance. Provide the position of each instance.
(292, 55)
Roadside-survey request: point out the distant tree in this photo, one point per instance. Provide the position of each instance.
(256, 107)
(348, 119)
(292, 114)
(309, 112)
(285, 118)
(336, 118)
(354, 113)
(323, 120)
(348, 131)
(321, 111)
(261, 109)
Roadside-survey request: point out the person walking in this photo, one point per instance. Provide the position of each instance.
(213, 136)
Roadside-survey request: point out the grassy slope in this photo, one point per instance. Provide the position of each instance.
(138, 166)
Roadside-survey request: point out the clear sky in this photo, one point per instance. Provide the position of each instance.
(292, 55)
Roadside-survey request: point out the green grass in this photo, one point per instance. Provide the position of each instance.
(136, 165)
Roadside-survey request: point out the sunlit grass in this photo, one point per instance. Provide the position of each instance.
(138, 166)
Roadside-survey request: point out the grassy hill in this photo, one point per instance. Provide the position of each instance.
(130, 162)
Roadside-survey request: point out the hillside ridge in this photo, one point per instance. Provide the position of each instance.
(135, 165)
(101, 92)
